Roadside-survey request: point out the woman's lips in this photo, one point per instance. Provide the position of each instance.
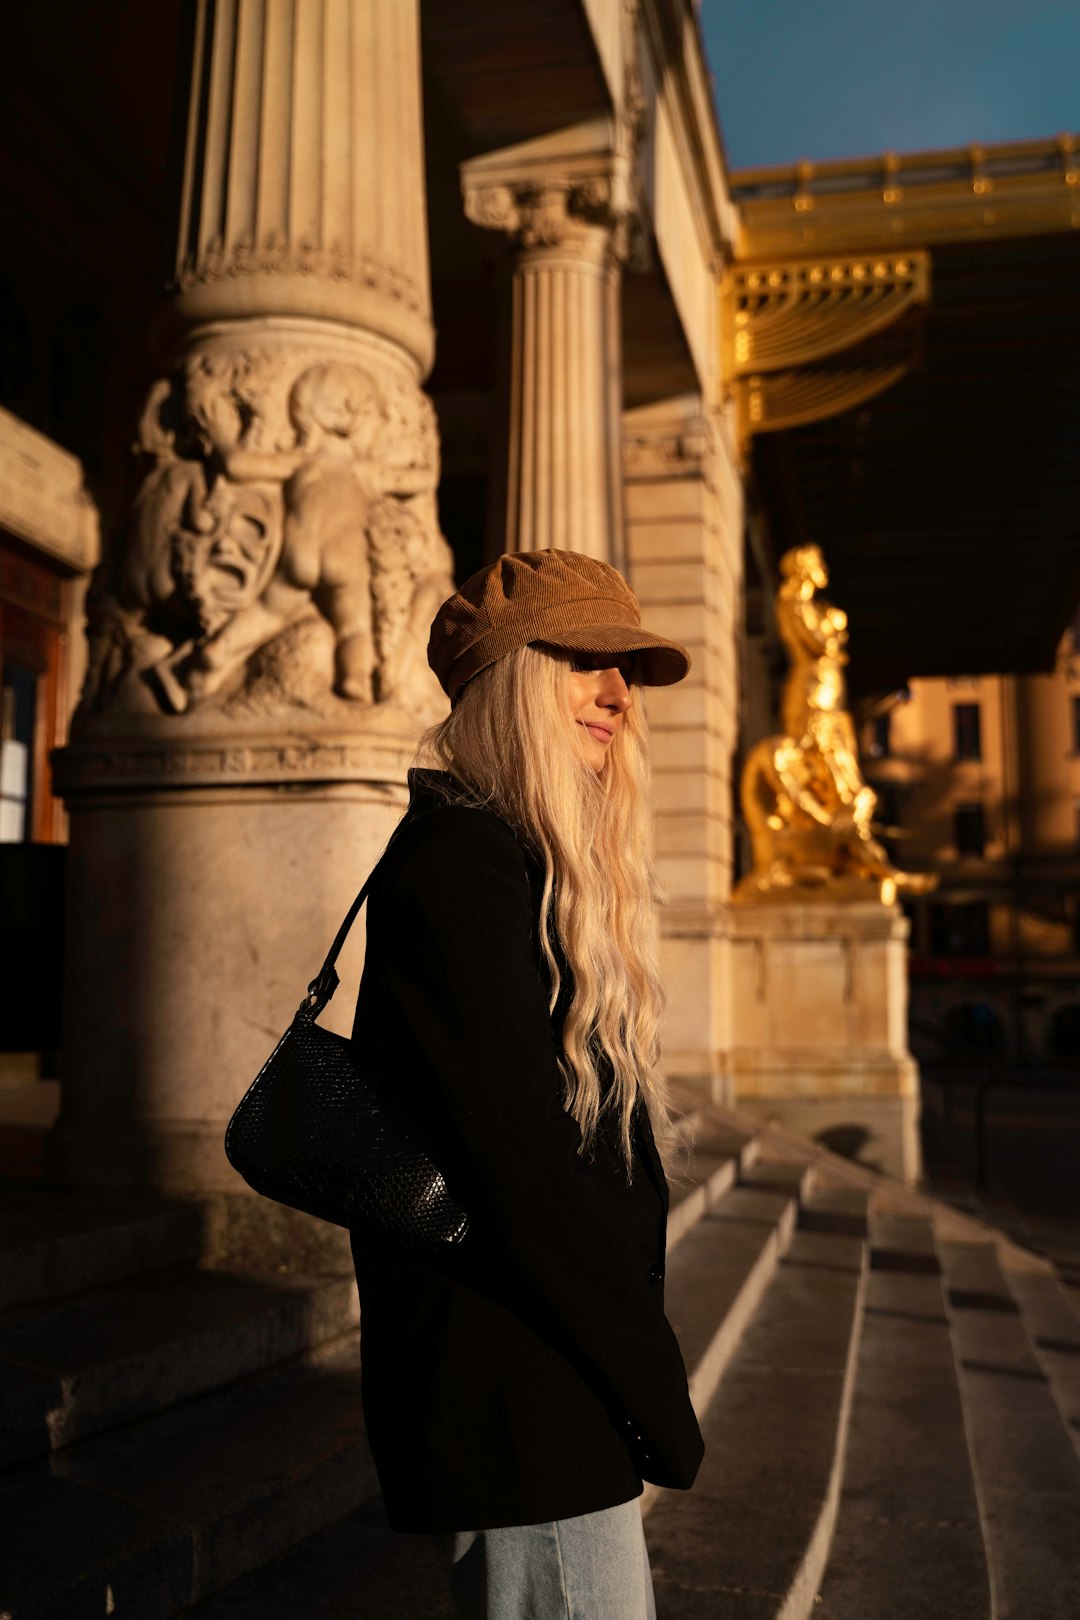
(601, 733)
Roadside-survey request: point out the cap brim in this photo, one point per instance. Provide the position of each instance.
(663, 662)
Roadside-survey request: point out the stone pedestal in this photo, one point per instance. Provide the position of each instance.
(819, 1009)
(257, 674)
(196, 919)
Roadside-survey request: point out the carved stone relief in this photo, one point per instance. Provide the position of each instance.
(284, 548)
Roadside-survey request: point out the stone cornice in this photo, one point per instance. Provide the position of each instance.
(43, 499)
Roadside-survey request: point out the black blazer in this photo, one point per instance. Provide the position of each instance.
(529, 1374)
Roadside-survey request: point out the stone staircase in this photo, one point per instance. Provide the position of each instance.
(890, 1393)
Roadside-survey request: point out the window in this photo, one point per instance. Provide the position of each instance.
(960, 930)
(1063, 1034)
(32, 618)
(967, 738)
(16, 747)
(969, 829)
(890, 805)
(880, 740)
(973, 1029)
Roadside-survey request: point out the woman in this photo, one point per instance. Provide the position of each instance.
(519, 1389)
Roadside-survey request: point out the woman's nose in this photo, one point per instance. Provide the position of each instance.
(614, 693)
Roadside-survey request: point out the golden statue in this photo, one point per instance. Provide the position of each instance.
(809, 811)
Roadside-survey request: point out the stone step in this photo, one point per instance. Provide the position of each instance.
(109, 1356)
(1026, 1467)
(696, 1190)
(55, 1242)
(357, 1569)
(1052, 1320)
(750, 1541)
(105, 1356)
(908, 1539)
(719, 1263)
(832, 1207)
(150, 1518)
(720, 1269)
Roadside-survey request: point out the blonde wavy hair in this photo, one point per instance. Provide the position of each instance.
(510, 741)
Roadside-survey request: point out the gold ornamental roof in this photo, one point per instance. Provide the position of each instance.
(902, 334)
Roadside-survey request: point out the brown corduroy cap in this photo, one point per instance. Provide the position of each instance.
(556, 598)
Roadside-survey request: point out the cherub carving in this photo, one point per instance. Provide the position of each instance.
(263, 508)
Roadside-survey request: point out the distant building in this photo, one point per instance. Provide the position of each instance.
(981, 775)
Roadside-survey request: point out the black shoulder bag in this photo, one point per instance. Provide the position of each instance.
(322, 1128)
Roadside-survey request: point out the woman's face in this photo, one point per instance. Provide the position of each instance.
(599, 698)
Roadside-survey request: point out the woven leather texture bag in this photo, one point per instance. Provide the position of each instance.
(322, 1128)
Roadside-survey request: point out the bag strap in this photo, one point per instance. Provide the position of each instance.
(326, 981)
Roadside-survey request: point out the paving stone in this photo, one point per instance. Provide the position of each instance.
(1027, 1469)
(750, 1537)
(908, 1540)
(107, 1355)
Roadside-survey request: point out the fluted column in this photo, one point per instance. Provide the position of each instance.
(257, 672)
(303, 168)
(563, 472)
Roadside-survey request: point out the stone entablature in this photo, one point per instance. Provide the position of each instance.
(43, 496)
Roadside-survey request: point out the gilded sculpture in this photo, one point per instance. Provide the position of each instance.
(809, 811)
(284, 545)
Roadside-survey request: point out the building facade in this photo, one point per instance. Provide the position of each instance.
(316, 306)
(981, 777)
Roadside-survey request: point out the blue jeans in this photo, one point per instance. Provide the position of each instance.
(593, 1567)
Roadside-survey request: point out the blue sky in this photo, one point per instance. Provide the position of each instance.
(848, 78)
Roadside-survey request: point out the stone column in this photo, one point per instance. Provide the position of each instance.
(567, 211)
(684, 506)
(257, 673)
(303, 186)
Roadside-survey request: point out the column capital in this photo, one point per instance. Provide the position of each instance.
(557, 192)
(540, 216)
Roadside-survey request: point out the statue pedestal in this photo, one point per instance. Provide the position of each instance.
(819, 1027)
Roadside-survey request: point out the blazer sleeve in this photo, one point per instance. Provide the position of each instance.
(462, 964)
